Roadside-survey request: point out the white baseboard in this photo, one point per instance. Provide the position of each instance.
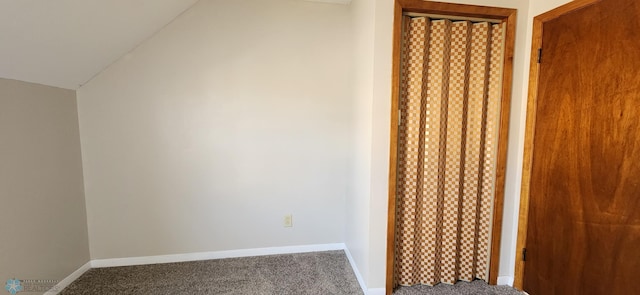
(376, 291)
(505, 280)
(363, 286)
(346, 2)
(129, 261)
(355, 270)
(69, 279)
(113, 262)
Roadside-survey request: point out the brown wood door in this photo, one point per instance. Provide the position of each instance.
(583, 233)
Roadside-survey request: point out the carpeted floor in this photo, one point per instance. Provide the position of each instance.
(319, 273)
(460, 288)
(307, 273)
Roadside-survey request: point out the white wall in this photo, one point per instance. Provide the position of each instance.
(206, 135)
(541, 6)
(43, 220)
(359, 184)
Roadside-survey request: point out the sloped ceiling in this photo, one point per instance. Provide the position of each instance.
(64, 43)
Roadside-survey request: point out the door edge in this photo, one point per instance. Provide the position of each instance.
(534, 72)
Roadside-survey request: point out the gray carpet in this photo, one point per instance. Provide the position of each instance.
(308, 273)
(316, 273)
(460, 288)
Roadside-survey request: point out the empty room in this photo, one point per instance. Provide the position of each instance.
(319, 147)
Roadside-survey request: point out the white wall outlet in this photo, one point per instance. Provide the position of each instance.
(287, 221)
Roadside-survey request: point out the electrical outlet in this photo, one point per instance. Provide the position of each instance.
(288, 221)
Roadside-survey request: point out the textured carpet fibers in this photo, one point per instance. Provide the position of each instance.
(307, 273)
(319, 273)
(460, 288)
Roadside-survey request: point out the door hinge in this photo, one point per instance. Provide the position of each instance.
(539, 55)
(524, 254)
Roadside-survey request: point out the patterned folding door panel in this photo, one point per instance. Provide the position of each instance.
(449, 109)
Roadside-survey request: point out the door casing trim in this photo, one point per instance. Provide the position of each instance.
(504, 15)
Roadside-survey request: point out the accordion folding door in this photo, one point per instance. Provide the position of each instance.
(451, 88)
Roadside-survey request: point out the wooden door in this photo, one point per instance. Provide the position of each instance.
(583, 233)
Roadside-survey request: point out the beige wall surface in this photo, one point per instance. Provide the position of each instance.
(209, 133)
(43, 221)
(358, 186)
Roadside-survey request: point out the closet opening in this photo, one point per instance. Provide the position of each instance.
(452, 74)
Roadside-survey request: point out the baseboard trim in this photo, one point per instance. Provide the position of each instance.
(376, 291)
(345, 2)
(129, 261)
(505, 280)
(69, 279)
(363, 286)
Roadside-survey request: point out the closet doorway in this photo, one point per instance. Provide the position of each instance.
(452, 76)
